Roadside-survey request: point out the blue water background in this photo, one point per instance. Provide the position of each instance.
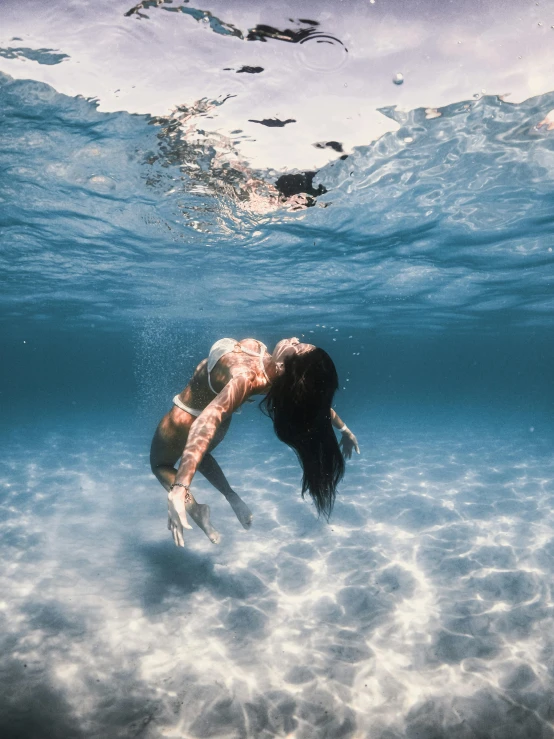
(424, 608)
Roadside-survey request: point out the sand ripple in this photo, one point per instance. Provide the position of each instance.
(423, 610)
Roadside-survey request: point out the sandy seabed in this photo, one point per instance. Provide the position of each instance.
(423, 610)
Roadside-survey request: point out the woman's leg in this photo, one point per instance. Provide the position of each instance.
(167, 447)
(213, 473)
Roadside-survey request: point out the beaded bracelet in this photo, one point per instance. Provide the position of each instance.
(179, 485)
(188, 496)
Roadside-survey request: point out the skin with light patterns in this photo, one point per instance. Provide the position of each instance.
(189, 440)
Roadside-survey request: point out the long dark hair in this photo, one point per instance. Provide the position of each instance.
(299, 404)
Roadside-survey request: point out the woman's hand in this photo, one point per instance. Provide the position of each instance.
(347, 443)
(177, 515)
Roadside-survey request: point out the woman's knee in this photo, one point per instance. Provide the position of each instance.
(155, 454)
(163, 453)
(160, 461)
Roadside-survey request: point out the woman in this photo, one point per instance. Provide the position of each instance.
(299, 382)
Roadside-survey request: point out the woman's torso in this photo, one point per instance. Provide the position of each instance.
(197, 394)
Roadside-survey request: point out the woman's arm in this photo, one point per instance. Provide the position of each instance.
(199, 439)
(204, 428)
(348, 441)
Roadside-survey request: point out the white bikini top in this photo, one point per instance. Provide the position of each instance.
(226, 346)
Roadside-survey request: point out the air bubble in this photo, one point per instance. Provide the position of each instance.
(398, 78)
(531, 429)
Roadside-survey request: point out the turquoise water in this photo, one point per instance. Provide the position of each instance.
(131, 242)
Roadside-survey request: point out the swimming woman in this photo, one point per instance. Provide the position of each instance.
(298, 381)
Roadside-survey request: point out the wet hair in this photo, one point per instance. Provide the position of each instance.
(299, 404)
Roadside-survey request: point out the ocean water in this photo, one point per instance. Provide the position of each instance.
(172, 174)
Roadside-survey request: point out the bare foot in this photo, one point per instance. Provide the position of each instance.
(200, 514)
(242, 511)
